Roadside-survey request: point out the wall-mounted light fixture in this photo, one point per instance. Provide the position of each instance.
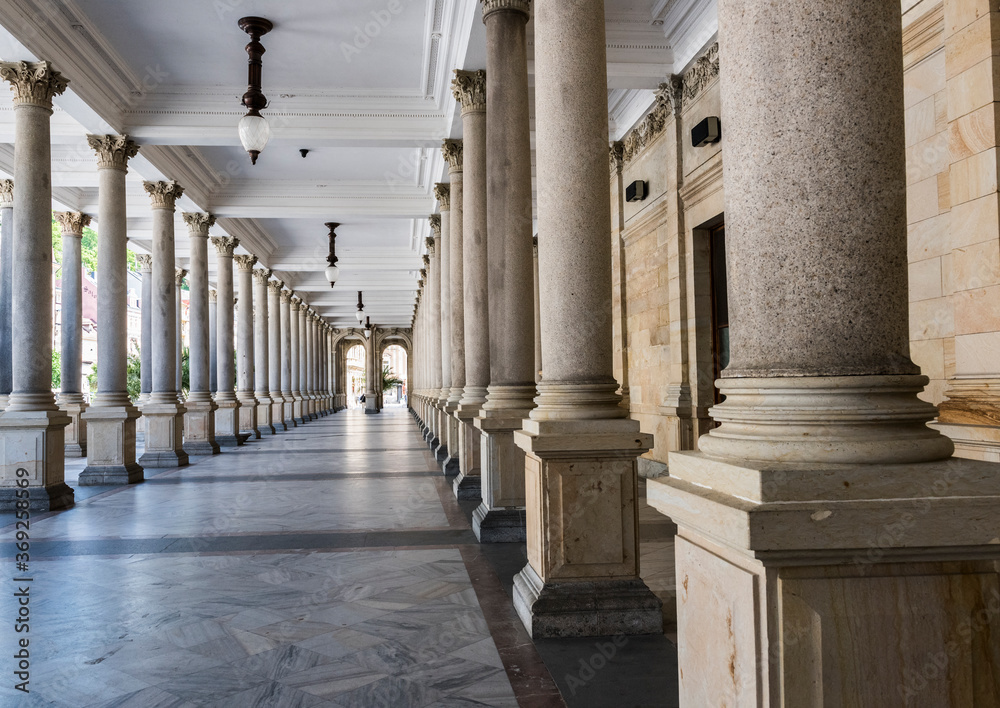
(253, 128)
(707, 132)
(332, 271)
(636, 191)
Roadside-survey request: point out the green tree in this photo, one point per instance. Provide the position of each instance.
(389, 379)
(133, 374)
(56, 370)
(92, 378)
(186, 370)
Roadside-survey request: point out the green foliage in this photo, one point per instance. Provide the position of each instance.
(186, 370)
(56, 370)
(88, 248)
(92, 378)
(133, 374)
(389, 379)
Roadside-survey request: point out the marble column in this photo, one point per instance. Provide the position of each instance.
(213, 345)
(164, 414)
(308, 348)
(469, 88)
(179, 275)
(6, 286)
(145, 262)
(199, 416)
(443, 194)
(71, 400)
(32, 428)
(434, 332)
(245, 346)
(582, 577)
(501, 516)
(287, 396)
(823, 523)
(298, 413)
(307, 413)
(261, 351)
(227, 415)
(274, 354)
(372, 371)
(452, 150)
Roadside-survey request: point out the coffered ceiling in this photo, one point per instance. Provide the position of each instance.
(364, 85)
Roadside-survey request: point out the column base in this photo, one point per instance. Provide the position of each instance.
(227, 423)
(277, 416)
(467, 487)
(76, 432)
(790, 574)
(33, 442)
(199, 427)
(111, 453)
(164, 436)
(248, 416)
(588, 608)
(499, 525)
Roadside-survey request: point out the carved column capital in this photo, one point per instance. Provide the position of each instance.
(521, 6)
(145, 261)
(213, 296)
(198, 223)
(113, 151)
(452, 151)
(469, 89)
(442, 192)
(286, 296)
(245, 261)
(225, 245)
(296, 301)
(6, 193)
(261, 275)
(34, 83)
(179, 274)
(72, 222)
(163, 194)
(616, 152)
(275, 286)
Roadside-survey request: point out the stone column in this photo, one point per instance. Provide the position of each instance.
(307, 402)
(227, 416)
(145, 262)
(164, 414)
(71, 400)
(6, 286)
(274, 354)
(288, 399)
(199, 416)
(538, 322)
(213, 342)
(469, 87)
(455, 312)
(245, 346)
(321, 365)
(308, 349)
(443, 194)
(261, 351)
(32, 428)
(582, 576)
(434, 319)
(823, 447)
(501, 516)
(294, 355)
(179, 275)
(372, 371)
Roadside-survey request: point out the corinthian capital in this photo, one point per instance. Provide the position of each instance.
(275, 286)
(491, 6)
(34, 83)
(145, 261)
(245, 261)
(616, 153)
(435, 220)
(442, 192)
(426, 260)
(179, 274)
(6, 193)
(113, 151)
(198, 223)
(72, 222)
(469, 89)
(260, 275)
(225, 245)
(286, 296)
(452, 151)
(163, 194)
(295, 301)
(213, 296)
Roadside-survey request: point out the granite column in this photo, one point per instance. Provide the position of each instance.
(227, 415)
(288, 409)
(298, 412)
(71, 400)
(6, 286)
(261, 351)
(274, 354)
(179, 275)
(452, 150)
(245, 346)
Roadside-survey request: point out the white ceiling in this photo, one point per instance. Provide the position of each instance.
(371, 107)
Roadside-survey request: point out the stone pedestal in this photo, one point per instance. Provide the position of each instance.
(501, 516)
(450, 464)
(468, 484)
(73, 405)
(32, 448)
(111, 446)
(199, 426)
(582, 577)
(164, 434)
(227, 422)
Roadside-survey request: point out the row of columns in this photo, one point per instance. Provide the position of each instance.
(276, 330)
(552, 463)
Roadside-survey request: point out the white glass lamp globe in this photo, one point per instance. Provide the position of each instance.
(254, 134)
(331, 274)
(360, 315)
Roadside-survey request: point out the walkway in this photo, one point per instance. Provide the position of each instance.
(329, 565)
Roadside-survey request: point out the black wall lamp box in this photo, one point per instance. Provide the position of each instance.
(706, 132)
(636, 191)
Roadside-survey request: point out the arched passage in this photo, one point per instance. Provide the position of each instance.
(354, 379)
(395, 365)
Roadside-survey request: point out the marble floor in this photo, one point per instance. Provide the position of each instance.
(328, 565)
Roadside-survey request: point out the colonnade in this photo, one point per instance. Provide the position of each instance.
(37, 431)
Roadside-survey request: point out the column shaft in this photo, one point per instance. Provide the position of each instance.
(227, 416)
(213, 342)
(199, 418)
(6, 287)
(274, 318)
(71, 399)
(261, 351)
(245, 346)
(295, 356)
(287, 359)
